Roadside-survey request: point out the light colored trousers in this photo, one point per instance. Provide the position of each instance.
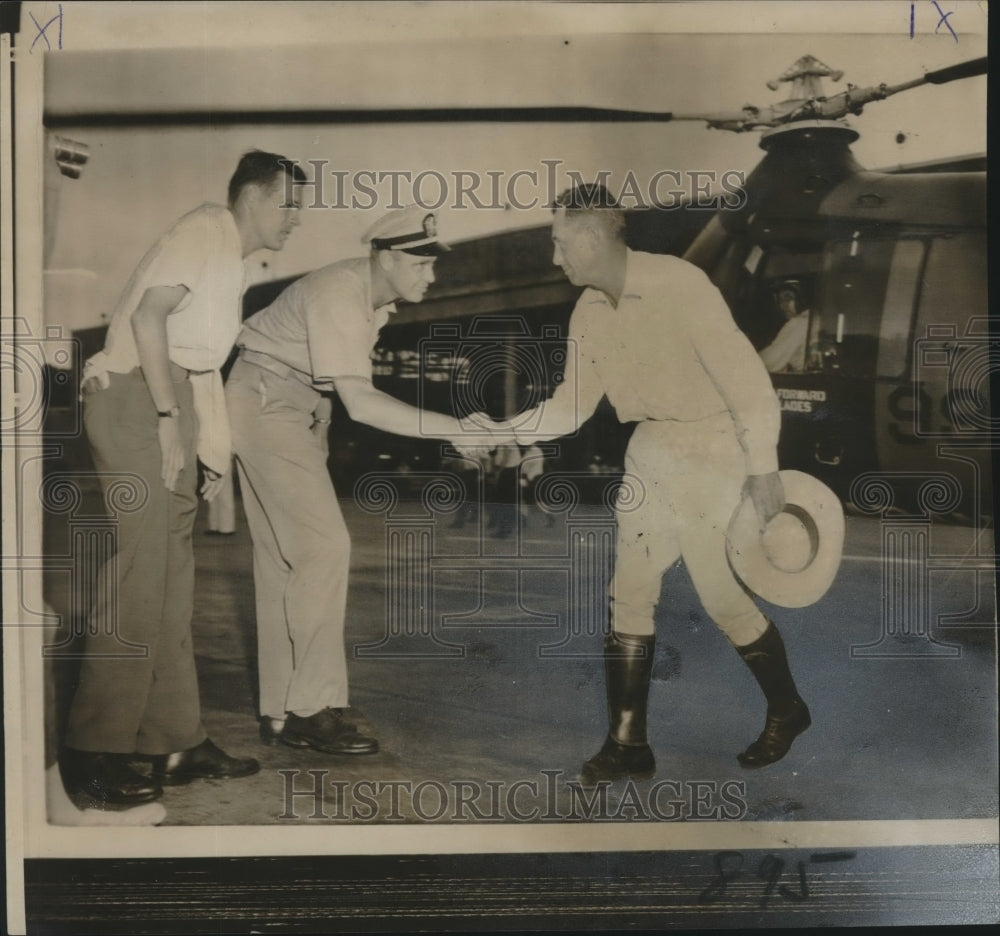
(301, 546)
(693, 475)
(128, 703)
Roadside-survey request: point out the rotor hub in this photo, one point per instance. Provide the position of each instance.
(821, 129)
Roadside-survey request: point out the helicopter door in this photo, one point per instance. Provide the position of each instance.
(861, 273)
(827, 391)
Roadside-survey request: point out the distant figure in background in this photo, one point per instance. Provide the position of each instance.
(787, 353)
(153, 405)
(472, 471)
(505, 489)
(532, 469)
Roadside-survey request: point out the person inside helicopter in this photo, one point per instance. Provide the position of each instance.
(795, 348)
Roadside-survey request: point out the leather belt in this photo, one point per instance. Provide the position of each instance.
(276, 367)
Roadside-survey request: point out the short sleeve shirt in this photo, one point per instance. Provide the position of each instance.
(323, 325)
(203, 253)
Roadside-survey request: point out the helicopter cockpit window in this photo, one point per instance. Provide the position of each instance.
(854, 283)
(780, 314)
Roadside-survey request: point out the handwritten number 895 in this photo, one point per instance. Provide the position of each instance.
(729, 864)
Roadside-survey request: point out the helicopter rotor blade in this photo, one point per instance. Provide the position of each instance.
(555, 114)
(969, 69)
(746, 118)
(954, 72)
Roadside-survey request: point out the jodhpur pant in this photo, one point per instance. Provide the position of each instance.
(138, 690)
(693, 475)
(301, 546)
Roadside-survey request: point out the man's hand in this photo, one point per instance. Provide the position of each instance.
(171, 450)
(504, 433)
(469, 450)
(213, 484)
(100, 381)
(768, 496)
(481, 434)
(476, 430)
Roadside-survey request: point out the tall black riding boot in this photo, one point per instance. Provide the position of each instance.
(628, 666)
(787, 715)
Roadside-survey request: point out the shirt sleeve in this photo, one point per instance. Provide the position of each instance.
(788, 348)
(338, 328)
(184, 254)
(577, 396)
(737, 372)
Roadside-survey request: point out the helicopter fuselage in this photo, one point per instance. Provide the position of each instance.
(889, 272)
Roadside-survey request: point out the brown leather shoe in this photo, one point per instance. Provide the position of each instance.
(205, 761)
(106, 778)
(328, 732)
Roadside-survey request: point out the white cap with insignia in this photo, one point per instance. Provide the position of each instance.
(412, 229)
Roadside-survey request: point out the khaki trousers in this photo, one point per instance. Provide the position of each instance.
(127, 703)
(693, 475)
(301, 546)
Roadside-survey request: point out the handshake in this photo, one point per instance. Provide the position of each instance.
(480, 434)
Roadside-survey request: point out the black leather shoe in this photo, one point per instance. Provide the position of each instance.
(205, 761)
(777, 737)
(328, 732)
(616, 761)
(107, 779)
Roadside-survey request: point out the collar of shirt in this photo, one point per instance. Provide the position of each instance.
(379, 314)
(632, 288)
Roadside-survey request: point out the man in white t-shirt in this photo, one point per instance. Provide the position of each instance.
(153, 406)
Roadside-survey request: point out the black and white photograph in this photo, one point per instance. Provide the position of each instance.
(552, 489)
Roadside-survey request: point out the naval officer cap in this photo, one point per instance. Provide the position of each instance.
(412, 229)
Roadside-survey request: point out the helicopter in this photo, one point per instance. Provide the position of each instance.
(892, 269)
(888, 270)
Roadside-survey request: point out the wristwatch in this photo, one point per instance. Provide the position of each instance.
(171, 413)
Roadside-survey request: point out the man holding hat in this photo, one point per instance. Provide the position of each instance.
(317, 337)
(653, 334)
